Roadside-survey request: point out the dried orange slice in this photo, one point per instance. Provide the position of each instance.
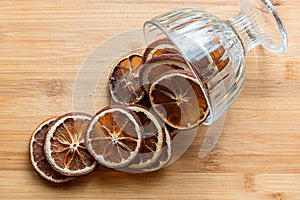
(218, 55)
(165, 156)
(145, 102)
(64, 145)
(152, 139)
(124, 81)
(37, 156)
(159, 47)
(172, 131)
(178, 99)
(159, 65)
(114, 136)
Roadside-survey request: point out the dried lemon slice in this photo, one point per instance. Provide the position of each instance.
(152, 139)
(155, 67)
(37, 156)
(178, 99)
(165, 156)
(124, 81)
(159, 47)
(64, 145)
(114, 136)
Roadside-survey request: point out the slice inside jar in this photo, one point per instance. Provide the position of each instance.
(178, 99)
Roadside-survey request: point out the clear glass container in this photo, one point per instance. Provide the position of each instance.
(215, 49)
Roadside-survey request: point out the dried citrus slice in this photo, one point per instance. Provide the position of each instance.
(37, 156)
(165, 156)
(172, 131)
(152, 138)
(159, 47)
(145, 102)
(64, 145)
(124, 81)
(178, 99)
(159, 65)
(114, 136)
(218, 55)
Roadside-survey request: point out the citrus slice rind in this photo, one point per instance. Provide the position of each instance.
(124, 81)
(152, 139)
(65, 145)
(165, 155)
(159, 47)
(114, 136)
(178, 99)
(155, 67)
(37, 156)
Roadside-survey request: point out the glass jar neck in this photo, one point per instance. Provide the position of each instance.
(259, 24)
(247, 30)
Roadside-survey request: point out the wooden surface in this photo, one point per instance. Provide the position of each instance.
(42, 46)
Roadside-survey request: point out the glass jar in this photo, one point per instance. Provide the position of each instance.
(215, 49)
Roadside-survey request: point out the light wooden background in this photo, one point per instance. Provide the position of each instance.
(43, 44)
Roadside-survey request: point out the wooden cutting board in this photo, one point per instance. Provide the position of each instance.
(43, 45)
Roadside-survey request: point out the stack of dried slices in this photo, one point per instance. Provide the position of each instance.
(156, 95)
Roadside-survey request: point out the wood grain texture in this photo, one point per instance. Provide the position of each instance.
(42, 46)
